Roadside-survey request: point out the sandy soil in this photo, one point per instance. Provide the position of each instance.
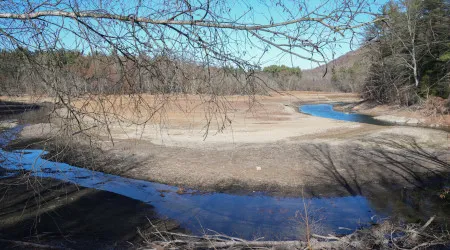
(270, 147)
(190, 122)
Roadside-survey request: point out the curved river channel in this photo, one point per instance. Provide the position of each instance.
(249, 216)
(327, 111)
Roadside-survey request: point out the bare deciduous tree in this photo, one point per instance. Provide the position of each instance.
(411, 44)
(164, 47)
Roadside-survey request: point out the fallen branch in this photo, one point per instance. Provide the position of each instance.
(365, 238)
(230, 244)
(427, 223)
(219, 241)
(30, 245)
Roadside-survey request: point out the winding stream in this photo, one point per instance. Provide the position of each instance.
(248, 216)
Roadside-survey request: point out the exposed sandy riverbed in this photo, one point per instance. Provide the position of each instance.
(272, 147)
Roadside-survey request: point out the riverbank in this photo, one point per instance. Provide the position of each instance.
(417, 115)
(275, 218)
(268, 154)
(273, 148)
(58, 215)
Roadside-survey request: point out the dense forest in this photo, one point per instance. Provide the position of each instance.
(404, 58)
(410, 52)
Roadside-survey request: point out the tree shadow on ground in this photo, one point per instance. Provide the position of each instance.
(398, 176)
(45, 210)
(385, 162)
(56, 213)
(330, 166)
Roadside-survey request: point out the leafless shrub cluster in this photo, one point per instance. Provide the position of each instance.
(391, 235)
(436, 106)
(386, 235)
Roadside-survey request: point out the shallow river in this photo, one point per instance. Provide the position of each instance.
(327, 111)
(248, 216)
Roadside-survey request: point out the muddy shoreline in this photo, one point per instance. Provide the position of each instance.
(406, 116)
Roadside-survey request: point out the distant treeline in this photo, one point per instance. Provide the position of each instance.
(71, 72)
(283, 69)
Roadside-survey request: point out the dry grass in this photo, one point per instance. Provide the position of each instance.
(386, 235)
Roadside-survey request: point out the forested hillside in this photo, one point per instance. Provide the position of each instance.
(410, 52)
(344, 74)
(403, 59)
(25, 72)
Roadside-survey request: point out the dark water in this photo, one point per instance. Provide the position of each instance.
(327, 111)
(248, 216)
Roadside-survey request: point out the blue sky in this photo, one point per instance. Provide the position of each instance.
(266, 13)
(239, 43)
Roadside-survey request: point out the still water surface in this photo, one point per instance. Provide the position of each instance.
(327, 111)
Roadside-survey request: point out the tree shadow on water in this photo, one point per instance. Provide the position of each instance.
(330, 166)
